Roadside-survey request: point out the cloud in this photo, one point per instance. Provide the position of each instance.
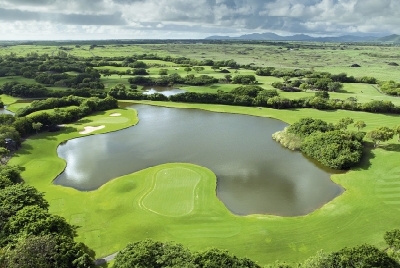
(319, 17)
(59, 18)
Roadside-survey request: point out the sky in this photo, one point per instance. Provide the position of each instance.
(192, 19)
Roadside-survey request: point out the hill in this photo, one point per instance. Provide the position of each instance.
(297, 37)
(394, 38)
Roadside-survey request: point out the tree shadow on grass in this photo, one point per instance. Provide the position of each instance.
(82, 121)
(66, 130)
(343, 91)
(392, 147)
(23, 150)
(368, 154)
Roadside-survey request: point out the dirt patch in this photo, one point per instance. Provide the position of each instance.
(115, 114)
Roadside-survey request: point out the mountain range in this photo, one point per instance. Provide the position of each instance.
(303, 37)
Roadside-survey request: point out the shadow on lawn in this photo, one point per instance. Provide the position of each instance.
(368, 154)
(392, 147)
(23, 150)
(82, 121)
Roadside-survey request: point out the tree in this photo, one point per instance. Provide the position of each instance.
(344, 122)
(304, 86)
(306, 126)
(148, 253)
(3, 152)
(18, 196)
(37, 126)
(380, 134)
(48, 251)
(360, 125)
(33, 220)
(397, 131)
(357, 257)
(335, 86)
(228, 78)
(187, 69)
(106, 73)
(215, 68)
(5, 182)
(361, 256)
(163, 72)
(335, 149)
(11, 172)
(392, 238)
(198, 69)
(221, 258)
(322, 94)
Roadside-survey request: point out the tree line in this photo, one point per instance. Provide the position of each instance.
(154, 254)
(262, 98)
(30, 236)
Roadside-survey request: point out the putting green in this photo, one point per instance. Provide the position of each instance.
(173, 193)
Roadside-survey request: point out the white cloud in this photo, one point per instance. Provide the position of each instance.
(201, 17)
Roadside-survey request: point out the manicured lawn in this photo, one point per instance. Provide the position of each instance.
(362, 92)
(14, 107)
(173, 193)
(177, 201)
(7, 100)
(19, 79)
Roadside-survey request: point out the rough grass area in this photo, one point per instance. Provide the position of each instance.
(113, 215)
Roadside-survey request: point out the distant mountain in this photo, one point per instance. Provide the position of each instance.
(297, 37)
(394, 38)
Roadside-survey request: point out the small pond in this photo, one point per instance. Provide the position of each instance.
(255, 175)
(166, 91)
(5, 111)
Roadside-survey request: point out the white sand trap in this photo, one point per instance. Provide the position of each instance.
(90, 129)
(115, 114)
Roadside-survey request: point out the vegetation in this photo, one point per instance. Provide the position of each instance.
(315, 81)
(148, 253)
(329, 144)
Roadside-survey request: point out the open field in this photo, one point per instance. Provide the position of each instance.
(331, 57)
(128, 208)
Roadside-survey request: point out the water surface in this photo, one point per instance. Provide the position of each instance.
(254, 173)
(166, 91)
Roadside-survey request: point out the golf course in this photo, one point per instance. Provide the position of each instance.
(179, 201)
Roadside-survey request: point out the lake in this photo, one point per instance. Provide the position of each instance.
(255, 174)
(166, 91)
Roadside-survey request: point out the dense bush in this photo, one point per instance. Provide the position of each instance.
(390, 87)
(335, 149)
(329, 144)
(306, 126)
(148, 253)
(244, 79)
(251, 90)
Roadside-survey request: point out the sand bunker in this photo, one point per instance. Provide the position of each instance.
(90, 129)
(115, 114)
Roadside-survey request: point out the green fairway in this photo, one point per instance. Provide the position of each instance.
(7, 100)
(361, 92)
(14, 107)
(178, 201)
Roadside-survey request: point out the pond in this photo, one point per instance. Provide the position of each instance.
(5, 111)
(255, 175)
(166, 91)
